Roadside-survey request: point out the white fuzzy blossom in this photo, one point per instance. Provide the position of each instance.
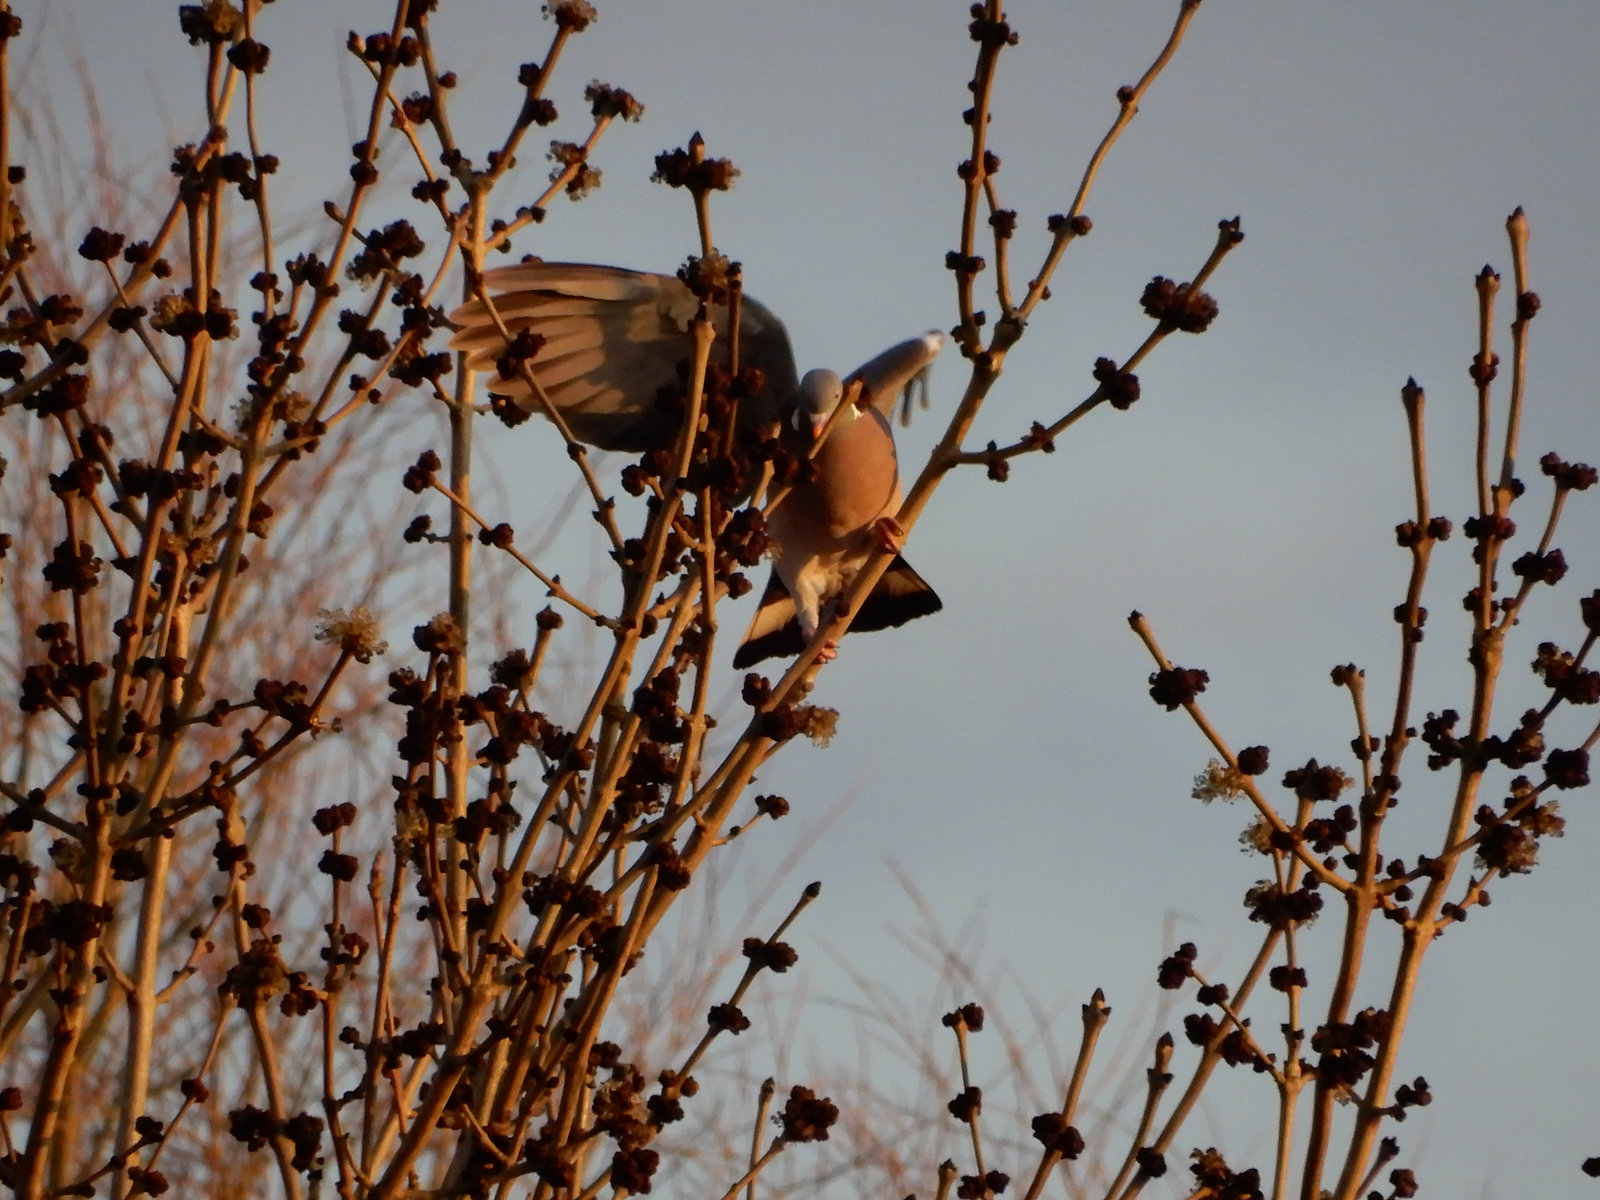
(1218, 782)
(355, 631)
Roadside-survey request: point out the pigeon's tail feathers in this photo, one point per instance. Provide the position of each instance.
(775, 629)
(901, 595)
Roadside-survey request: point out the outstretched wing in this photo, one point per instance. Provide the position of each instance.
(900, 374)
(614, 340)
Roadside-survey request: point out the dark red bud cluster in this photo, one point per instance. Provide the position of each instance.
(1439, 736)
(1057, 1137)
(65, 394)
(1567, 769)
(249, 56)
(981, 1187)
(999, 467)
(1179, 306)
(342, 867)
(606, 101)
(1212, 993)
(1472, 599)
(1325, 833)
(1410, 535)
(1060, 223)
(128, 864)
(1119, 387)
(287, 699)
(783, 722)
(990, 33)
(382, 48)
(1561, 674)
(1577, 477)
(968, 1016)
(73, 567)
(415, 109)
(967, 1105)
(1214, 1178)
(689, 168)
(1282, 977)
(364, 342)
(439, 636)
(756, 689)
(385, 249)
(507, 411)
(212, 24)
(632, 1170)
(806, 1116)
(664, 1110)
(1314, 782)
(573, 16)
(775, 807)
(334, 817)
(81, 477)
(1152, 1163)
(963, 264)
(1271, 905)
(727, 1018)
(100, 245)
(713, 278)
(419, 476)
(745, 538)
(579, 901)
(253, 1126)
(1344, 1047)
(776, 957)
(1253, 760)
(672, 873)
(1511, 848)
(1038, 438)
(1177, 686)
(1177, 967)
(499, 536)
(1549, 567)
(415, 369)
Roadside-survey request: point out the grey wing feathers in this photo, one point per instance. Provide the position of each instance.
(900, 373)
(613, 341)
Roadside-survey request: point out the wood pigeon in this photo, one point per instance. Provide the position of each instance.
(613, 340)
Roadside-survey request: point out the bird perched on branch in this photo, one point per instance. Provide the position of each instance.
(609, 344)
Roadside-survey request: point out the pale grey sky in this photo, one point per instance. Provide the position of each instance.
(1004, 755)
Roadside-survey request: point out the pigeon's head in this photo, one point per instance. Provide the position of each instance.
(820, 393)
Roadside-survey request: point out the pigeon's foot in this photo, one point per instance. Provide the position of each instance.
(889, 534)
(808, 630)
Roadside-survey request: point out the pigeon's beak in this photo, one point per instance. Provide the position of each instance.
(818, 423)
